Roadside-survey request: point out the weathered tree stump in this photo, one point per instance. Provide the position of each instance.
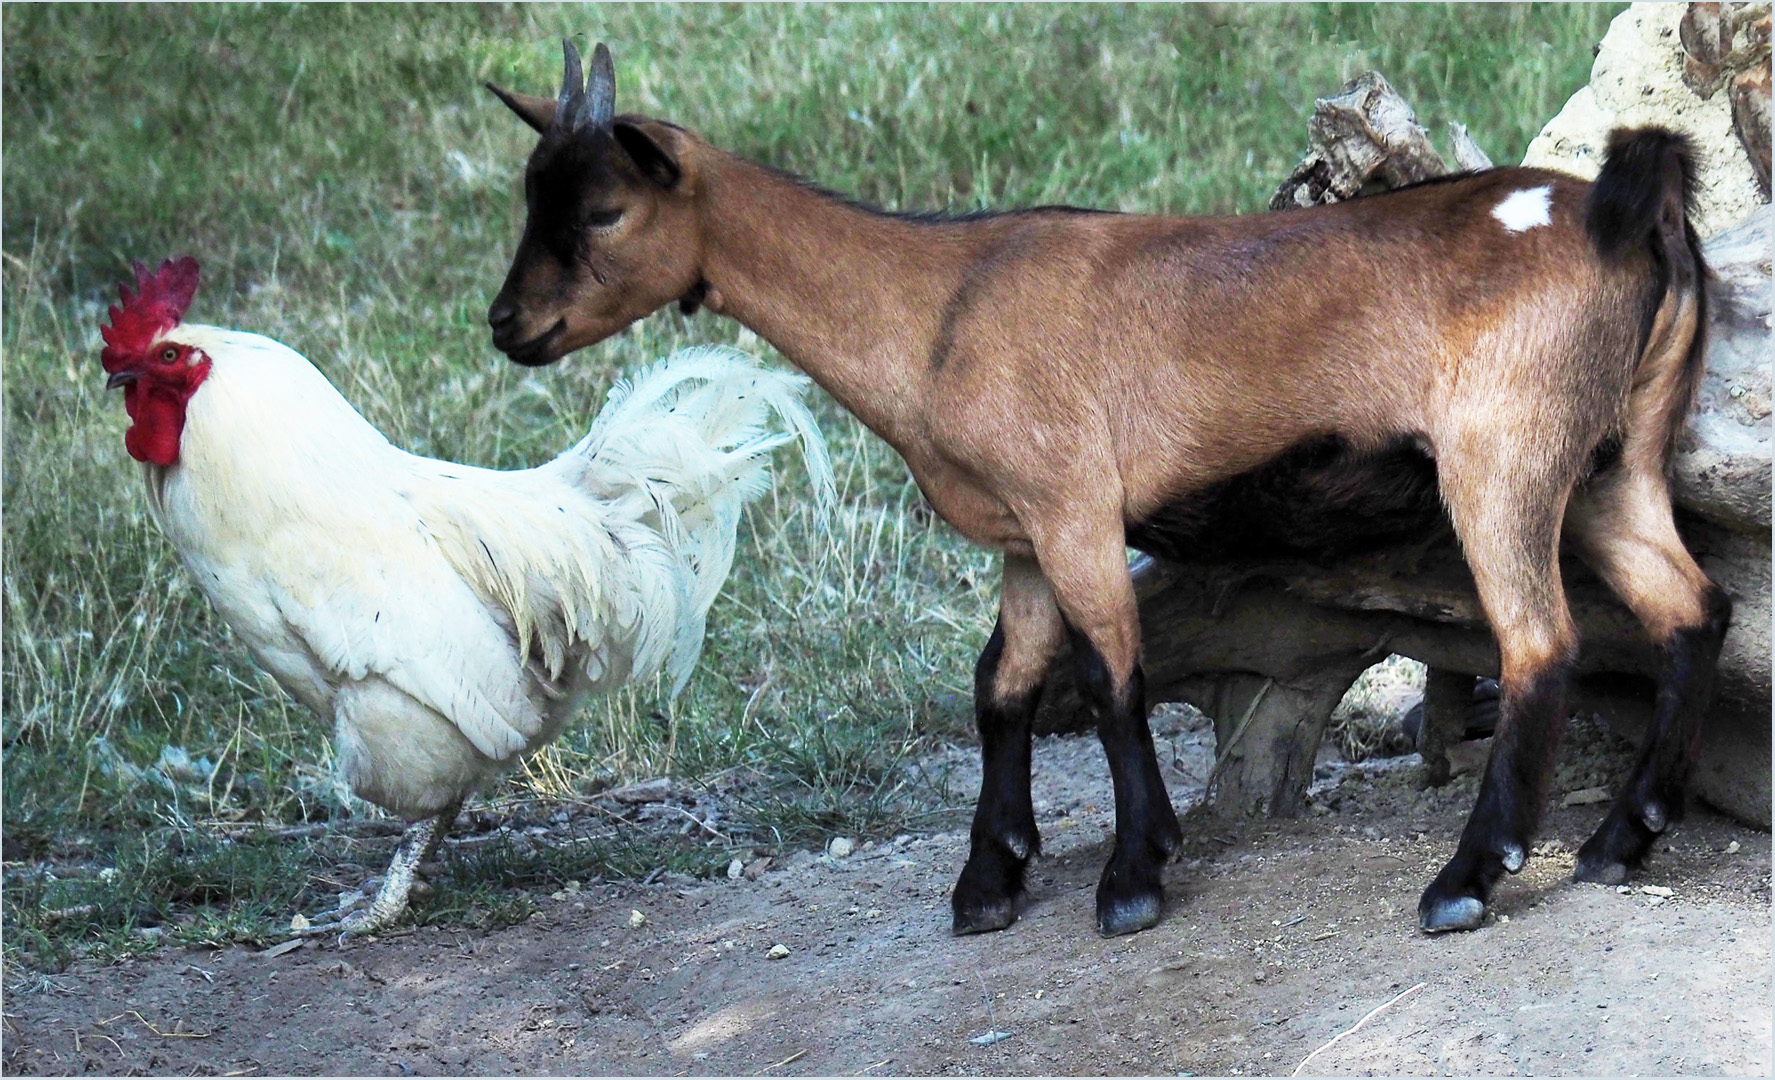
(1267, 649)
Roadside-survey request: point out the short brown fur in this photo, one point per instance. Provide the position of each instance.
(1053, 378)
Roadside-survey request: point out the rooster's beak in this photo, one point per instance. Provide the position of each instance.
(121, 378)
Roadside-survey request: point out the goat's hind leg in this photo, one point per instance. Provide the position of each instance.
(1623, 525)
(1007, 687)
(1510, 532)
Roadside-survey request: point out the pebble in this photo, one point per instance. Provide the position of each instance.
(990, 1037)
(1585, 797)
(1656, 890)
(736, 869)
(777, 951)
(1732, 848)
(841, 847)
(636, 920)
(647, 791)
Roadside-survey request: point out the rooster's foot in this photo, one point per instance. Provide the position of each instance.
(350, 919)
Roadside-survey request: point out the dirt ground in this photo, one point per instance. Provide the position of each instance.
(1276, 938)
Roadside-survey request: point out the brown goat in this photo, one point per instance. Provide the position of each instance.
(1512, 351)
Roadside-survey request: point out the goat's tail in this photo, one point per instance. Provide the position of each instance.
(1640, 203)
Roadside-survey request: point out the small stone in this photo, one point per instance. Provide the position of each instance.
(756, 868)
(1732, 848)
(647, 791)
(872, 913)
(1585, 797)
(990, 1037)
(298, 923)
(1624, 889)
(276, 951)
(1656, 890)
(571, 888)
(777, 951)
(636, 920)
(736, 869)
(840, 847)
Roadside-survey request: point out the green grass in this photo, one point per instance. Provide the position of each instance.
(352, 192)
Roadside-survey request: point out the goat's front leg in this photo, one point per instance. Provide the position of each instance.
(1007, 687)
(1088, 570)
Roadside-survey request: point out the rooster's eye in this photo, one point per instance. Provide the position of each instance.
(168, 355)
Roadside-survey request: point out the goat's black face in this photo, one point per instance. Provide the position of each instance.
(610, 233)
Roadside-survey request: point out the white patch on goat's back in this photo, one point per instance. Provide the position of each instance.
(1526, 209)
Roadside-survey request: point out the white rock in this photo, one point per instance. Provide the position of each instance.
(777, 951)
(840, 847)
(1638, 79)
(1722, 464)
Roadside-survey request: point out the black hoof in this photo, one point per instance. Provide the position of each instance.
(1129, 914)
(982, 916)
(1130, 895)
(990, 889)
(1437, 914)
(1456, 899)
(1620, 843)
(1599, 869)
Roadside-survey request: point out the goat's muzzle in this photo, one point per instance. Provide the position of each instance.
(535, 352)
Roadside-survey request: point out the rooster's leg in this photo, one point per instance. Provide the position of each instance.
(418, 844)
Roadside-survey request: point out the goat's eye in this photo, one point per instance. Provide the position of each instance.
(168, 355)
(601, 219)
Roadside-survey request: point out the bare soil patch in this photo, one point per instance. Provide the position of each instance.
(1276, 938)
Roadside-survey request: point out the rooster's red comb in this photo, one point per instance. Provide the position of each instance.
(158, 305)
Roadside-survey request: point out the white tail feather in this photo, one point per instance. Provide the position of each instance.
(615, 575)
(693, 434)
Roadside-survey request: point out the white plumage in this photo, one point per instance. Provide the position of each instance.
(448, 619)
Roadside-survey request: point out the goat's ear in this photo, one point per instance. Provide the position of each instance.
(652, 159)
(538, 112)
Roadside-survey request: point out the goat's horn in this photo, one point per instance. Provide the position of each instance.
(569, 107)
(601, 87)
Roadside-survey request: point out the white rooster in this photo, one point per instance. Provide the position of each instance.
(447, 620)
